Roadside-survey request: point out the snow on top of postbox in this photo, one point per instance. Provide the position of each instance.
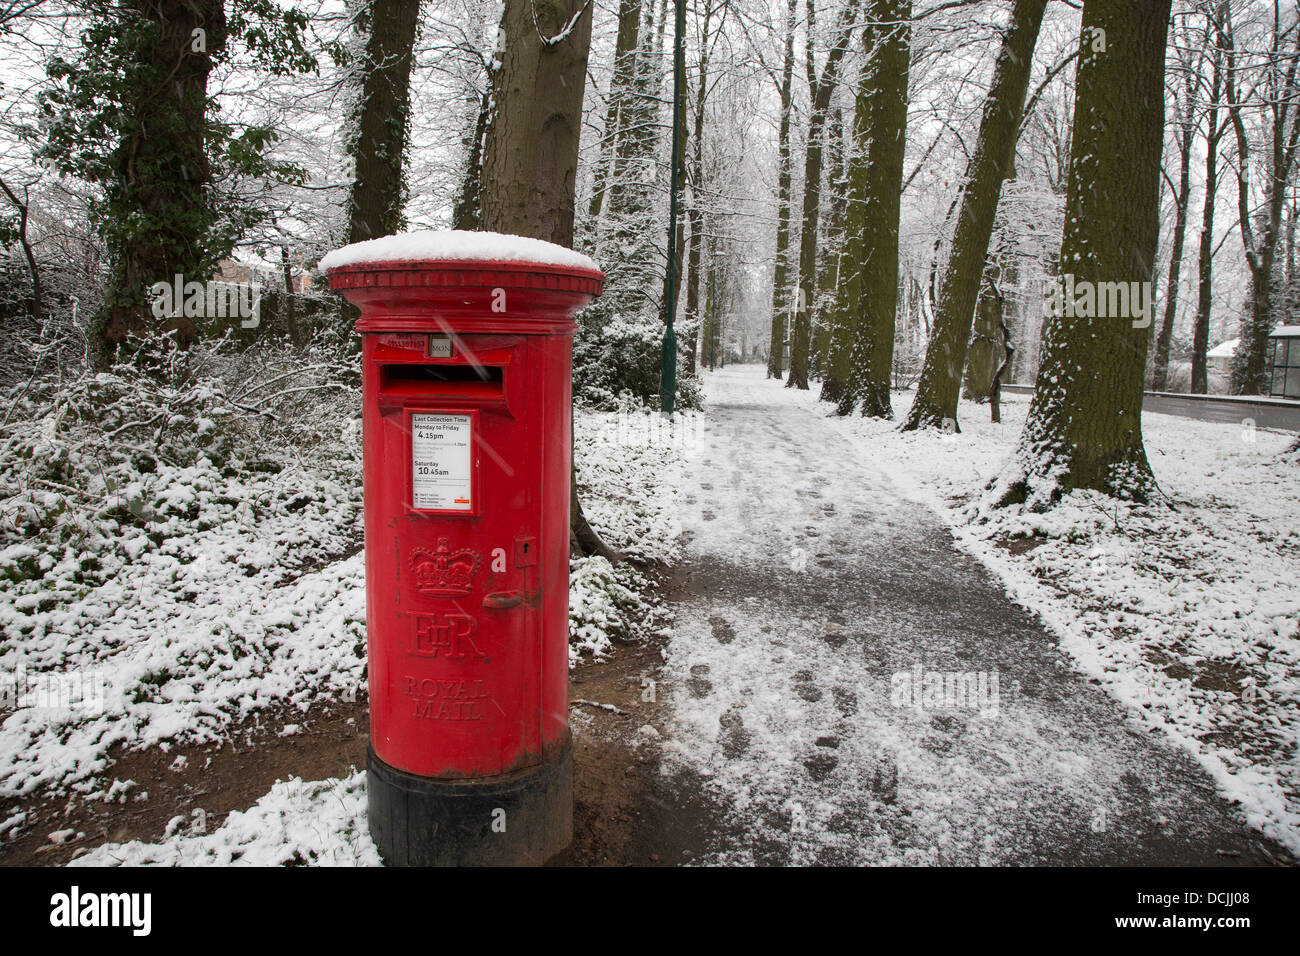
(447, 245)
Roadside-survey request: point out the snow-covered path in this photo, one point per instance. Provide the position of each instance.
(856, 690)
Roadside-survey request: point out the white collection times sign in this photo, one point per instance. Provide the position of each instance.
(441, 469)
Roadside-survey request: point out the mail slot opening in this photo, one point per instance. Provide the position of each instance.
(395, 374)
(406, 379)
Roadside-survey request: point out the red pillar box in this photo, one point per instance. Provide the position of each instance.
(467, 361)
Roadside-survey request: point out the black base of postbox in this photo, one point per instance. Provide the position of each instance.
(516, 819)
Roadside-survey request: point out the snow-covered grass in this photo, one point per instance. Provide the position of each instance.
(296, 824)
(1189, 614)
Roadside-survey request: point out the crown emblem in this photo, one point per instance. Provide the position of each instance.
(443, 572)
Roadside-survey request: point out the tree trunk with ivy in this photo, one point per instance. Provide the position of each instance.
(162, 170)
(831, 257)
(530, 156)
(1084, 429)
(841, 316)
(939, 388)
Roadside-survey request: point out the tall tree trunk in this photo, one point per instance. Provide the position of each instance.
(378, 194)
(825, 314)
(820, 89)
(695, 211)
(945, 357)
(1182, 200)
(1205, 257)
(467, 211)
(1084, 428)
(841, 317)
(162, 170)
(876, 188)
(621, 88)
(781, 268)
(530, 159)
(710, 310)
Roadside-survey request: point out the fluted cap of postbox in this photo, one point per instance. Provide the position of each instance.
(480, 280)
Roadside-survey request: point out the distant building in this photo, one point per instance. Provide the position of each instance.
(1218, 367)
(1281, 363)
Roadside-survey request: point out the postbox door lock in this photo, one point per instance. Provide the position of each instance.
(525, 552)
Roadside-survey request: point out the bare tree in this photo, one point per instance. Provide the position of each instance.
(940, 385)
(820, 89)
(1261, 227)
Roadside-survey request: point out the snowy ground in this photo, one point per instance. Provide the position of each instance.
(824, 595)
(232, 598)
(818, 596)
(296, 824)
(627, 466)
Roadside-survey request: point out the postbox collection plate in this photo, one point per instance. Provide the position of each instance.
(443, 461)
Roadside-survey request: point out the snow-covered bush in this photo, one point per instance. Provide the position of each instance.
(87, 454)
(176, 536)
(604, 605)
(614, 356)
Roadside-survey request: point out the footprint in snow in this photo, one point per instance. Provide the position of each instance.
(950, 723)
(884, 778)
(819, 765)
(699, 687)
(805, 688)
(723, 632)
(733, 737)
(846, 700)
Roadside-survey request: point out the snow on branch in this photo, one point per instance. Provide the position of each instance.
(563, 34)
